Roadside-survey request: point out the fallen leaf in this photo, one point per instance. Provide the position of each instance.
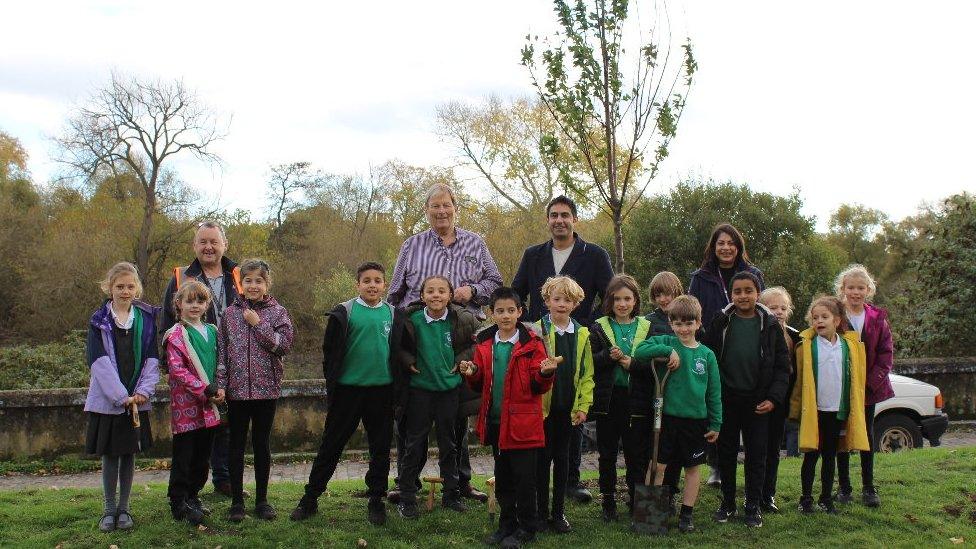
(361, 542)
(953, 510)
(113, 546)
(957, 541)
(911, 518)
(201, 528)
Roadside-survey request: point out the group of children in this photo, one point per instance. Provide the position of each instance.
(741, 375)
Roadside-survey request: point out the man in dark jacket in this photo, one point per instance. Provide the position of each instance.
(222, 276)
(586, 263)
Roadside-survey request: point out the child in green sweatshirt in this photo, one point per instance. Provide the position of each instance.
(692, 400)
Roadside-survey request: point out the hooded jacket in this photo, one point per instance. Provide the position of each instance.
(334, 353)
(106, 392)
(879, 352)
(641, 388)
(249, 358)
(521, 419)
(582, 368)
(189, 409)
(464, 326)
(774, 356)
(803, 401)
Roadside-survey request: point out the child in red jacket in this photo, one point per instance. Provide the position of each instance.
(512, 371)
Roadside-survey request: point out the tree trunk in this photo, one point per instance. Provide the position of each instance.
(618, 240)
(142, 252)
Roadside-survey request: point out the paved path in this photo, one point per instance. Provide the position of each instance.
(347, 470)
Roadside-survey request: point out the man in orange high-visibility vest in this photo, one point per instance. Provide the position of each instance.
(223, 278)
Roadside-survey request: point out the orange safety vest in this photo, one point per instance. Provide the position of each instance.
(235, 274)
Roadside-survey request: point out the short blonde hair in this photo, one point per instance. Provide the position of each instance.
(777, 291)
(667, 283)
(855, 270)
(117, 270)
(565, 286)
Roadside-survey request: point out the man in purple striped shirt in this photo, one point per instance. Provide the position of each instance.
(463, 258)
(445, 250)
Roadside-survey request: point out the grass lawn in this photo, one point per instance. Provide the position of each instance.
(929, 500)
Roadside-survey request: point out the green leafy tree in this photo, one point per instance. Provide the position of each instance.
(935, 316)
(617, 102)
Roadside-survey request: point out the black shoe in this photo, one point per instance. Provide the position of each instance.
(519, 538)
(769, 505)
(806, 505)
(870, 497)
(454, 504)
(827, 506)
(198, 505)
(236, 512)
(183, 511)
(725, 513)
(303, 511)
(579, 494)
(753, 517)
(685, 524)
(376, 512)
(844, 495)
(408, 510)
(265, 511)
(497, 537)
(559, 525)
(393, 496)
(609, 508)
(470, 492)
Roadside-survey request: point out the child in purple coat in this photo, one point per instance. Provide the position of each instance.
(255, 333)
(124, 364)
(855, 287)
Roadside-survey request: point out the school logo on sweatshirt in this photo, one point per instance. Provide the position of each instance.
(700, 366)
(387, 328)
(447, 339)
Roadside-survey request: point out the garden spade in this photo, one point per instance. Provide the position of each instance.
(652, 504)
(134, 410)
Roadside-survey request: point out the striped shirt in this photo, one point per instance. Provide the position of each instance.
(467, 262)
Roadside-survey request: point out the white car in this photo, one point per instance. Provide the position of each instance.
(914, 413)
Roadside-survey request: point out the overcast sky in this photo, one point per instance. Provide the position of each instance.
(867, 102)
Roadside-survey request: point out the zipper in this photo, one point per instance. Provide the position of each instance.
(248, 328)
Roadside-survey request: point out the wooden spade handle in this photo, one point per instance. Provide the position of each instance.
(135, 414)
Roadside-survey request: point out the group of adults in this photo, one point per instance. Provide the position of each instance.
(462, 256)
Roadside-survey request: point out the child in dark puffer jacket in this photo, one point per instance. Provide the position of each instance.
(255, 333)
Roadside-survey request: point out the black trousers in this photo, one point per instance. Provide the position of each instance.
(515, 485)
(829, 432)
(256, 416)
(739, 417)
(554, 456)
(219, 454)
(440, 409)
(575, 456)
(612, 429)
(350, 405)
(191, 460)
(867, 458)
(460, 442)
(777, 427)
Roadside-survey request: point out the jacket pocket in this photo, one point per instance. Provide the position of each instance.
(525, 422)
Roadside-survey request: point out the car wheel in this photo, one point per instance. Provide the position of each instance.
(894, 432)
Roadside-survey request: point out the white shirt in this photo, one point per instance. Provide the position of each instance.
(127, 325)
(830, 374)
(857, 321)
(559, 258)
(513, 340)
(430, 319)
(362, 302)
(569, 329)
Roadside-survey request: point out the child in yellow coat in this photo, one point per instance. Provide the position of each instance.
(828, 398)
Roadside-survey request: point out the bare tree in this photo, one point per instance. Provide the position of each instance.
(288, 185)
(137, 126)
